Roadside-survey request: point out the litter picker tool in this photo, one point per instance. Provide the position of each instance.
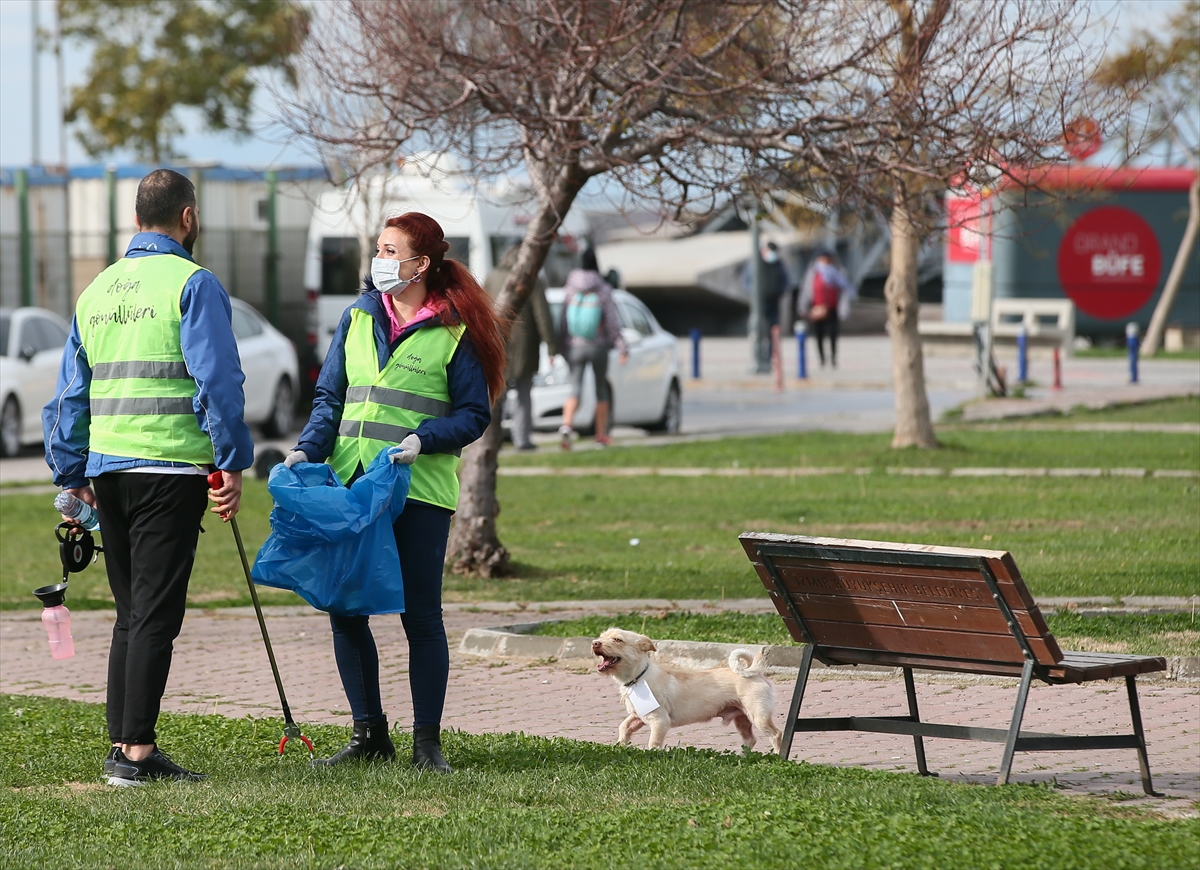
(290, 728)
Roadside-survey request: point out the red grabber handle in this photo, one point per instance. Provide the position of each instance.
(216, 481)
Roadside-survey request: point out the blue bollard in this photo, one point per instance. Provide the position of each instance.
(1131, 341)
(1023, 355)
(695, 354)
(802, 365)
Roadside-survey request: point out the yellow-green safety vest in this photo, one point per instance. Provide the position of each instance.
(141, 392)
(383, 407)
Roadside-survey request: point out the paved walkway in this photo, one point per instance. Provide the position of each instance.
(220, 667)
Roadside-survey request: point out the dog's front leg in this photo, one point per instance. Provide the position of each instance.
(659, 726)
(629, 727)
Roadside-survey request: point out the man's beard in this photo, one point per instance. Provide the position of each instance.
(189, 241)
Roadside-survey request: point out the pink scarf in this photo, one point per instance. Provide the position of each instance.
(431, 308)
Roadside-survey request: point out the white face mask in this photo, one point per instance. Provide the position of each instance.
(770, 256)
(386, 275)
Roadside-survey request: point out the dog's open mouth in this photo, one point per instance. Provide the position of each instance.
(607, 663)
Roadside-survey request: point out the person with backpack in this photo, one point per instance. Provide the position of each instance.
(591, 327)
(824, 301)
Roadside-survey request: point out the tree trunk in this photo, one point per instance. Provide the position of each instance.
(1158, 322)
(474, 546)
(473, 540)
(914, 426)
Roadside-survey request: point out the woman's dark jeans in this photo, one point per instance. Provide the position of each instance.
(421, 533)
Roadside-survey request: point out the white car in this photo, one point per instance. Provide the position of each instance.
(31, 343)
(646, 390)
(271, 368)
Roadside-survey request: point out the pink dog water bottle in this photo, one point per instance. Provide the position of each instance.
(57, 620)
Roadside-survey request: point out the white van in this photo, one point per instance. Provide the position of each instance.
(480, 224)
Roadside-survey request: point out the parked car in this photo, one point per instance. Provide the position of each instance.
(646, 390)
(271, 368)
(31, 342)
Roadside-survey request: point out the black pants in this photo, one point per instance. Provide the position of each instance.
(821, 328)
(421, 533)
(148, 524)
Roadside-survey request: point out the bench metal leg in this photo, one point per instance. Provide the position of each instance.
(1135, 713)
(918, 740)
(1014, 728)
(785, 748)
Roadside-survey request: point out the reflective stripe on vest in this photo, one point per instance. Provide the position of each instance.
(382, 408)
(141, 394)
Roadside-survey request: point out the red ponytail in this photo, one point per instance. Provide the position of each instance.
(449, 281)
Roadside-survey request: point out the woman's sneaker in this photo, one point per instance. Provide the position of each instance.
(156, 765)
(566, 433)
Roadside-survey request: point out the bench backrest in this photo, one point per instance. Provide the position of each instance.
(903, 605)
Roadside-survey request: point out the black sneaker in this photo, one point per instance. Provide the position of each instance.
(157, 765)
(110, 760)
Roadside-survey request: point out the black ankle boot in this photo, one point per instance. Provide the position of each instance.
(370, 742)
(427, 749)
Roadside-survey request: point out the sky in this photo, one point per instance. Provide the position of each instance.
(270, 146)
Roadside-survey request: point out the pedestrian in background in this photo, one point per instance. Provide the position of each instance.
(532, 326)
(416, 361)
(824, 302)
(149, 397)
(774, 284)
(591, 327)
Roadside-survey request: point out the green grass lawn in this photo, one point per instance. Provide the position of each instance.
(525, 802)
(1185, 410)
(1161, 634)
(570, 537)
(962, 446)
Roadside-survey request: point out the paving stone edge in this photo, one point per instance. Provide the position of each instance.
(515, 642)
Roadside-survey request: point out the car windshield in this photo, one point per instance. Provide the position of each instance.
(5, 324)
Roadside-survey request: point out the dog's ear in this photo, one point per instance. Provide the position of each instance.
(645, 644)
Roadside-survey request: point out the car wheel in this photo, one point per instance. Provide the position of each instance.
(283, 411)
(672, 415)
(10, 427)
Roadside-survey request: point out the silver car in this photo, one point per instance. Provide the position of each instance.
(646, 390)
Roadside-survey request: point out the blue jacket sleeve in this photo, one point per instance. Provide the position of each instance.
(67, 417)
(470, 411)
(211, 355)
(320, 432)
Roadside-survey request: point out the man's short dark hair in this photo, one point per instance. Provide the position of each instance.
(161, 198)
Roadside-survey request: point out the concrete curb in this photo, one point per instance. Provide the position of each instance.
(516, 642)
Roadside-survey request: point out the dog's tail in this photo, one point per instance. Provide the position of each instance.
(746, 664)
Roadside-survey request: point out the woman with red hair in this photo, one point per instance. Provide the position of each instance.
(417, 361)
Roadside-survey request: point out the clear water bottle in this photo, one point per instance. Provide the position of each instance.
(57, 621)
(79, 511)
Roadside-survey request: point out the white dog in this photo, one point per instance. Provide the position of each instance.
(664, 697)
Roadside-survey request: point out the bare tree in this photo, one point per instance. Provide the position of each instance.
(959, 92)
(1165, 68)
(663, 97)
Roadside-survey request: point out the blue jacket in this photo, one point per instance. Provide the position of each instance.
(470, 411)
(212, 359)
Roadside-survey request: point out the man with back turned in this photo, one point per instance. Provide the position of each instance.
(149, 398)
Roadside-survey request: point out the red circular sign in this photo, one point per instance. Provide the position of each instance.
(1109, 262)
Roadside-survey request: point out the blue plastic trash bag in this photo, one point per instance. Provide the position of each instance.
(332, 545)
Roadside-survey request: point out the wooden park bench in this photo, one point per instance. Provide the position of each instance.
(934, 608)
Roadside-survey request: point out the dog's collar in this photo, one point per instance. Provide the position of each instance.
(639, 676)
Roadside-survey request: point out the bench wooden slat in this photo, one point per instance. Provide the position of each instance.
(955, 617)
(915, 640)
(918, 641)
